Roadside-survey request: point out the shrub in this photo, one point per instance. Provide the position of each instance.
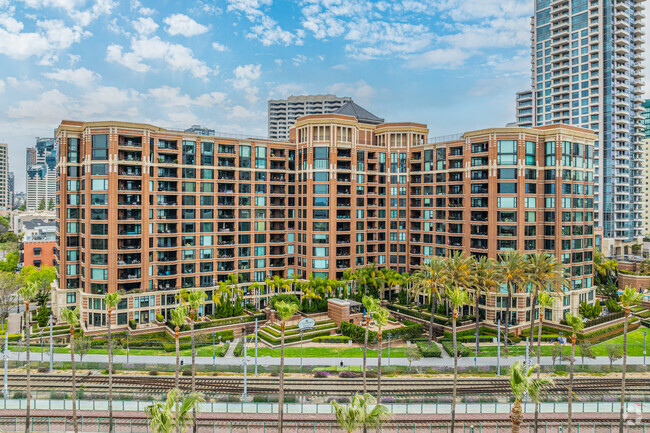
(286, 297)
(132, 324)
(349, 374)
(160, 318)
(187, 372)
(224, 349)
(321, 373)
(153, 373)
(43, 369)
(612, 306)
(332, 339)
(449, 348)
(239, 348)
(427, 351)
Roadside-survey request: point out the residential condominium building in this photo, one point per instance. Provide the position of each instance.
(283, 113)
(644, 161)
(524, 109)
(147, 211)
(587, 66)
(41, 174)
(5, 204)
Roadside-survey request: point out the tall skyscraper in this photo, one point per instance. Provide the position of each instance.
(4, 180)
(41, 173)
(587, 66)
(10, 189)
(283, 113)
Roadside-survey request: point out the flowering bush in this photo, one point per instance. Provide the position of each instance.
(321, 373)
(388, 400)
(349, 374)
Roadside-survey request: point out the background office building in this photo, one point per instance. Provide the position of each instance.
(5, 204)
(283, 113)
(587, 66)
(41, 173)
(147, 211)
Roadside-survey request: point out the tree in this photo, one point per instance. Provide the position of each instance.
(512, 273)
(50, 204)
(614, 353)
(174, 414)
(285, 312)
(42, 277)
(111, 300)
(178, 317)
(429, 281)
(41, 204)
(82, 346)
(483, 283)
(458, 297)
(195, 299)
(576, 323)
(544, 301)
(586, 350)
(27, 292)
(629, 298)
(605, 269)
(72, 318)
(10, 262)
(309, 295)
(9, 237)
(370, 304)
(590, 311)
(393, 278)
(358, 413)
(380, 316)
(9, 285)
(522, 384)
(412, 354)
(544, 272)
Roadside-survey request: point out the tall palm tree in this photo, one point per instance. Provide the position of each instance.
(459, 297)
(310, 295)
(72, 318)
(178, 317)
(543, 271)
(111, 300)
(285, 311)
(174, 414)
(484, 281)
(393, 278)
(429, 281)
(348, 275)
(629, 298)
(512, 272)
(544, 300)
(195, 299)
(380, 316)
(577, 325)
(27, 292)
(358, 414)
(371, 305)
(522, 384)
(255, 287)
(605, 269)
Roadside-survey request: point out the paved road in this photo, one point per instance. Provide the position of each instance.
(346, 362)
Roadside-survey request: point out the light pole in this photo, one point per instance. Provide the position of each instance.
(213, 354)
(128, 333)
(41, 344)
(245, 365)
(644, 335)
(255, 347)
(527, 354)
(388, 334)
(499, 347)
(6, 385)
(51, 345)
(301, 350)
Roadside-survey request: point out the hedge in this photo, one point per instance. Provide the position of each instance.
(358, 333)
(449, 348)
(224, 349)
(593, 336)
(276, 342)
(427, 351)
(332, 339)
(229, 321)
(603, 319)
(277, 333)
(239, 348)
(419, 315)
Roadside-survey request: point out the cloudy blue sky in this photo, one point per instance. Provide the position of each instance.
(453, 64)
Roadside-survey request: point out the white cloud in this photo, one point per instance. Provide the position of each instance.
(177, 57)
(239, 112)
(51, 36)
(167, 96)
(48, 109)
(145, 26)
(136, 5)
(2, 86)
(219, 47)
(264, 28)
(244, 76)
(81, 17)
(179, 24)
(360, 91)
(81, 77)
(439, 58)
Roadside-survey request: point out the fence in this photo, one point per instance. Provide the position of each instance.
(326, 409)
(95, 424)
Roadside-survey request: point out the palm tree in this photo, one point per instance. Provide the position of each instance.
(544, 300)
(178, 316)
(459, 297)
(72, 318)
(429, 281)
(577, 325)
(27, 292)
(371, 305)
(484, 281)
(512, 273)
(310, 295)
(393, 278)
(629, 298)
(254, 288)
(173, 414)
(543, 271)
(522, 384)
(359, 415)
(604, 268)
(380, 316)
(285, 311)
(348, 275)
(195, 299)
(111, 300)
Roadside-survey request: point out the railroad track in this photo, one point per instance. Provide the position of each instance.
(321, 387)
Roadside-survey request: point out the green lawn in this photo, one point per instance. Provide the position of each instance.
(328, 352)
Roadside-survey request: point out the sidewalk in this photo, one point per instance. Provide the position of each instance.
(13, 323)
(332, 362)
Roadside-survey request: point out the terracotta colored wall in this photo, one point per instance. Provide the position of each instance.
(46, 255)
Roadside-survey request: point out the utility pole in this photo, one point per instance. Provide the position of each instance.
(213, 354)
(255, 347)
(6, 356)
(245, 365)
(499, 348)
(388, 349)
(51, 345)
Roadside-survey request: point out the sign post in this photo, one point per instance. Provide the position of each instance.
(305, 324)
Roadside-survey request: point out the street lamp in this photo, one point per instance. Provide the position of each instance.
(255, 347)
(245, 365)
(388, 334)
(128, 333)
(499, 347)
(644, 335)
(213, 353)
(41, 344)
(51, 345)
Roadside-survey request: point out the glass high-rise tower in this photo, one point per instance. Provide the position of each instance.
(587, 67)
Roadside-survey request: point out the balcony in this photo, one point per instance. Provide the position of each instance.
(128, 171)
(129, 230)
(166, 270)
(129, 156)
(129, 214)
(129, 185)
(129, 274)
(128, 244)
(167, 256)
(128, 199)
(166, 186)
(167, 145)
(129, 141)
(128, 259)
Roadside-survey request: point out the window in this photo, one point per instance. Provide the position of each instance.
(507, 152)
(506, 202)
(100, 147)
(530, 152)
(321, 158)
